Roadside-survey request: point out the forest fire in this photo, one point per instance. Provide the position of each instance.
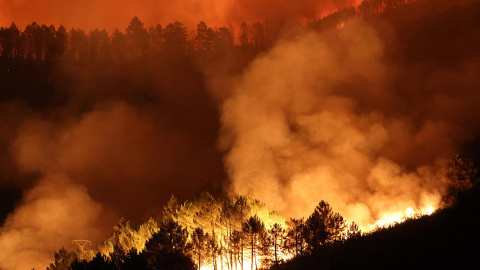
(290, 131)
(392, 219)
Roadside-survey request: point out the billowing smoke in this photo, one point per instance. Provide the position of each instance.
(119, 141)
(92, 14)
(340, 115)
(323, 116)
(56, 209)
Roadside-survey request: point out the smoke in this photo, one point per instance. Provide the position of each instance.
(111, 141)
(54, 210)
(325, 116)
(91, 14)
(339, 115)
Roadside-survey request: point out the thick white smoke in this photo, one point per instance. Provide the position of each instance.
(297, 133)
(52, 214)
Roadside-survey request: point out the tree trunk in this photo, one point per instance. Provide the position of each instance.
(241, 259)
(253, 255)
(275, 247)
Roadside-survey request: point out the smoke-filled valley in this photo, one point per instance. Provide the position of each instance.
(362, 105)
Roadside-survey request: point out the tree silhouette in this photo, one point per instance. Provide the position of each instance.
(277, 239)
(199, 245)
(119, 44)
(459, 174)
(63, 259)
(99, 262)
(258, 35)
(323, 225)
(175, 38)
(32, 38)
(244, 34)
(168, 248)
(297, 236)
(204, 37)
(242, 210)
(353, 232)
(9, 41)
(223, 39)
(98, 45)
(156, 39)
(61, 37)
(137, 38)
(78, 45)
(254, 227)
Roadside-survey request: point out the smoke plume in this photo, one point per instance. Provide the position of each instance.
(54, 210)
(321, 116)
(362, 117)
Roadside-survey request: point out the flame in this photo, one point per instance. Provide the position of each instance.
(393, 218)
(247, 262)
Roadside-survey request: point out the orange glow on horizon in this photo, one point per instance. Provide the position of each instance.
(108, 15)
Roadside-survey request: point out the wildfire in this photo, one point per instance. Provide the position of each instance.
(390, 219)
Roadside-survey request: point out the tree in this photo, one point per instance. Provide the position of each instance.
(208, 217)
(223, 39)
(156, 38)
(9, 41)
(297, 239)
(168, 248)
(277, 234)
(199, 243)
(170, 210)
(459, 174)
(258, 35)
(119, 44)
(204, 37)
(244, 34)
(227, 221)
(122, 240)
(60, 41)
(78, 44)
(48, 42)
(175, 38)
(137, 37)
(242, 210)
(171, 236)
(236, 239)
(254, 227)
(99, 262)
(353, 232)
(98, 44)
(63, 259)
(32, 41)
(323, 225)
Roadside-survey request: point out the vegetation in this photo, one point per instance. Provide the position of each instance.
(47, 43)
(222, 232)
(218, 232)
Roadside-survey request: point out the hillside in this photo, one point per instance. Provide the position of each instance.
(447, 239)
(433, 36)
